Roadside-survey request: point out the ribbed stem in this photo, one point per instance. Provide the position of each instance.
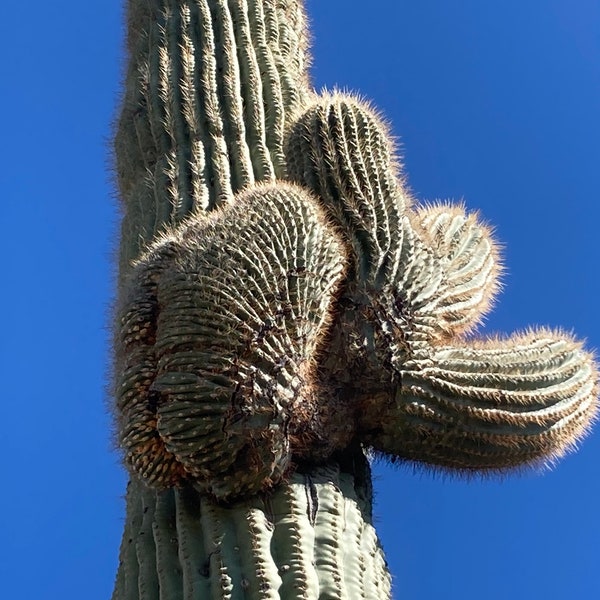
(245, 348)
(207, 91)
(312, 539)
(470, 263)
(489, 406)
(339, 149)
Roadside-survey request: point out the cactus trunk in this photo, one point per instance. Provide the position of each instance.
(209, 86)
(312, 538)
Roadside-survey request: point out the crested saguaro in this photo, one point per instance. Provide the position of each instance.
(283, 307)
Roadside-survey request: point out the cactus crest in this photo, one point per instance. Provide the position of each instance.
(220, 328)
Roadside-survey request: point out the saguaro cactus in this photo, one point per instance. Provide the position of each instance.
(283, 307)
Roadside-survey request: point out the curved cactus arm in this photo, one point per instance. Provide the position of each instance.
(220, 329)
(208, 87)
(311, 538)
(436, 265)
(490, 405)
(473, 405)
(338, 147)
(470, 261)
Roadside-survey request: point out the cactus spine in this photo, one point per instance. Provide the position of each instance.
(207, 88)
(422, 278)
(283, 305)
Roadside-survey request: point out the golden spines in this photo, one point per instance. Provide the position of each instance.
(423, 278)
(438, 263)
(209, 86)
(469, 259)
(490, 405)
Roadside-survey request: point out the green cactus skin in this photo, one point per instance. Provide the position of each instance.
(268, 331)
(423, 277)
(207, 88)
(339, 147)
(311, 538)
(218, 380)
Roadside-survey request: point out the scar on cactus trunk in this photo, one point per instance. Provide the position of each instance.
(284, 306)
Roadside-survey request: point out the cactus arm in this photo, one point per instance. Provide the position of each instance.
(340, 150)
(428, 394)
(496, 405)
(471, 262)
(437, 260)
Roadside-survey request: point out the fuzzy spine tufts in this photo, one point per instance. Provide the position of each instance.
(423, 277)
(217, 351)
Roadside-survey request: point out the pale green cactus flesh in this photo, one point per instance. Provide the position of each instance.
(310, 538)
(208, 85)
(283, 306)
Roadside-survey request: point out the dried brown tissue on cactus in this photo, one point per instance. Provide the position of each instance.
(284, 305)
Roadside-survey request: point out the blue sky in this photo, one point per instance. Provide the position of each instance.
(494, 103)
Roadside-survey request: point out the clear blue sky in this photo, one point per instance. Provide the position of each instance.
(496, 103)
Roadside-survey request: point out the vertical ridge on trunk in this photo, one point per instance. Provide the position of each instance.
(207, 89)
(310, 539)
